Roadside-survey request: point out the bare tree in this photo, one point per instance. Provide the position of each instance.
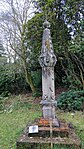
(13, 24)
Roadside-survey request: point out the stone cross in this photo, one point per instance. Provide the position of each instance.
(47, 61)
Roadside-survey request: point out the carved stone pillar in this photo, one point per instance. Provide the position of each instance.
(47, 61)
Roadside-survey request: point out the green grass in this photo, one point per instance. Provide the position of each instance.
(77, 120)
(18, 111)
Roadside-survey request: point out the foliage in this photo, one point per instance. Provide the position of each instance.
(25, 38)
(37, 94)
(59, 33)
(4, 94)
(12, 23)
(71, 100)
(2, 49)
(37, 79)
(12, 80)
(74, 69)
(37, 75)
(68, 11)
(67, 36)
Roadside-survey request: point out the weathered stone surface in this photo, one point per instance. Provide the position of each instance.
(47, 61)
(62, 135)
(48, 112)
(49, 102)
(48, 87)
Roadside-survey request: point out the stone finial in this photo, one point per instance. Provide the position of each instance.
(46, 24)
(47, 57)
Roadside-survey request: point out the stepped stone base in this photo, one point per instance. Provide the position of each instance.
(62, 135)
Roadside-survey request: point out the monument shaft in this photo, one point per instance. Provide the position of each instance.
(48, 87)
(47, 61)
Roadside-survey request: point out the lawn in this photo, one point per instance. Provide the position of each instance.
(19, 110)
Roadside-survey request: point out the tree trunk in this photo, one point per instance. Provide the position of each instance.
(28, 77)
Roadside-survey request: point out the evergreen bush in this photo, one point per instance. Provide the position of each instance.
(71, 100)
(12, 81)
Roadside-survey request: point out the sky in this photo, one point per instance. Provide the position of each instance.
(4, 7)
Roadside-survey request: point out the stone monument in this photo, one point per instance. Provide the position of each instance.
(47, 130)
(47, 61)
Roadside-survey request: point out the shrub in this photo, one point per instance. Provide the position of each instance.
(12, 81)
(37, 94)
(71, 100)
(36, 75)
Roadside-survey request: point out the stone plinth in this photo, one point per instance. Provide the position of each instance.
(48, 112)
(62, 135)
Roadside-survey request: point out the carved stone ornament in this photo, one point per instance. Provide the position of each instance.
(47, 57)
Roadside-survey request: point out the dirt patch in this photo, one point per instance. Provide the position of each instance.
(59, 90)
